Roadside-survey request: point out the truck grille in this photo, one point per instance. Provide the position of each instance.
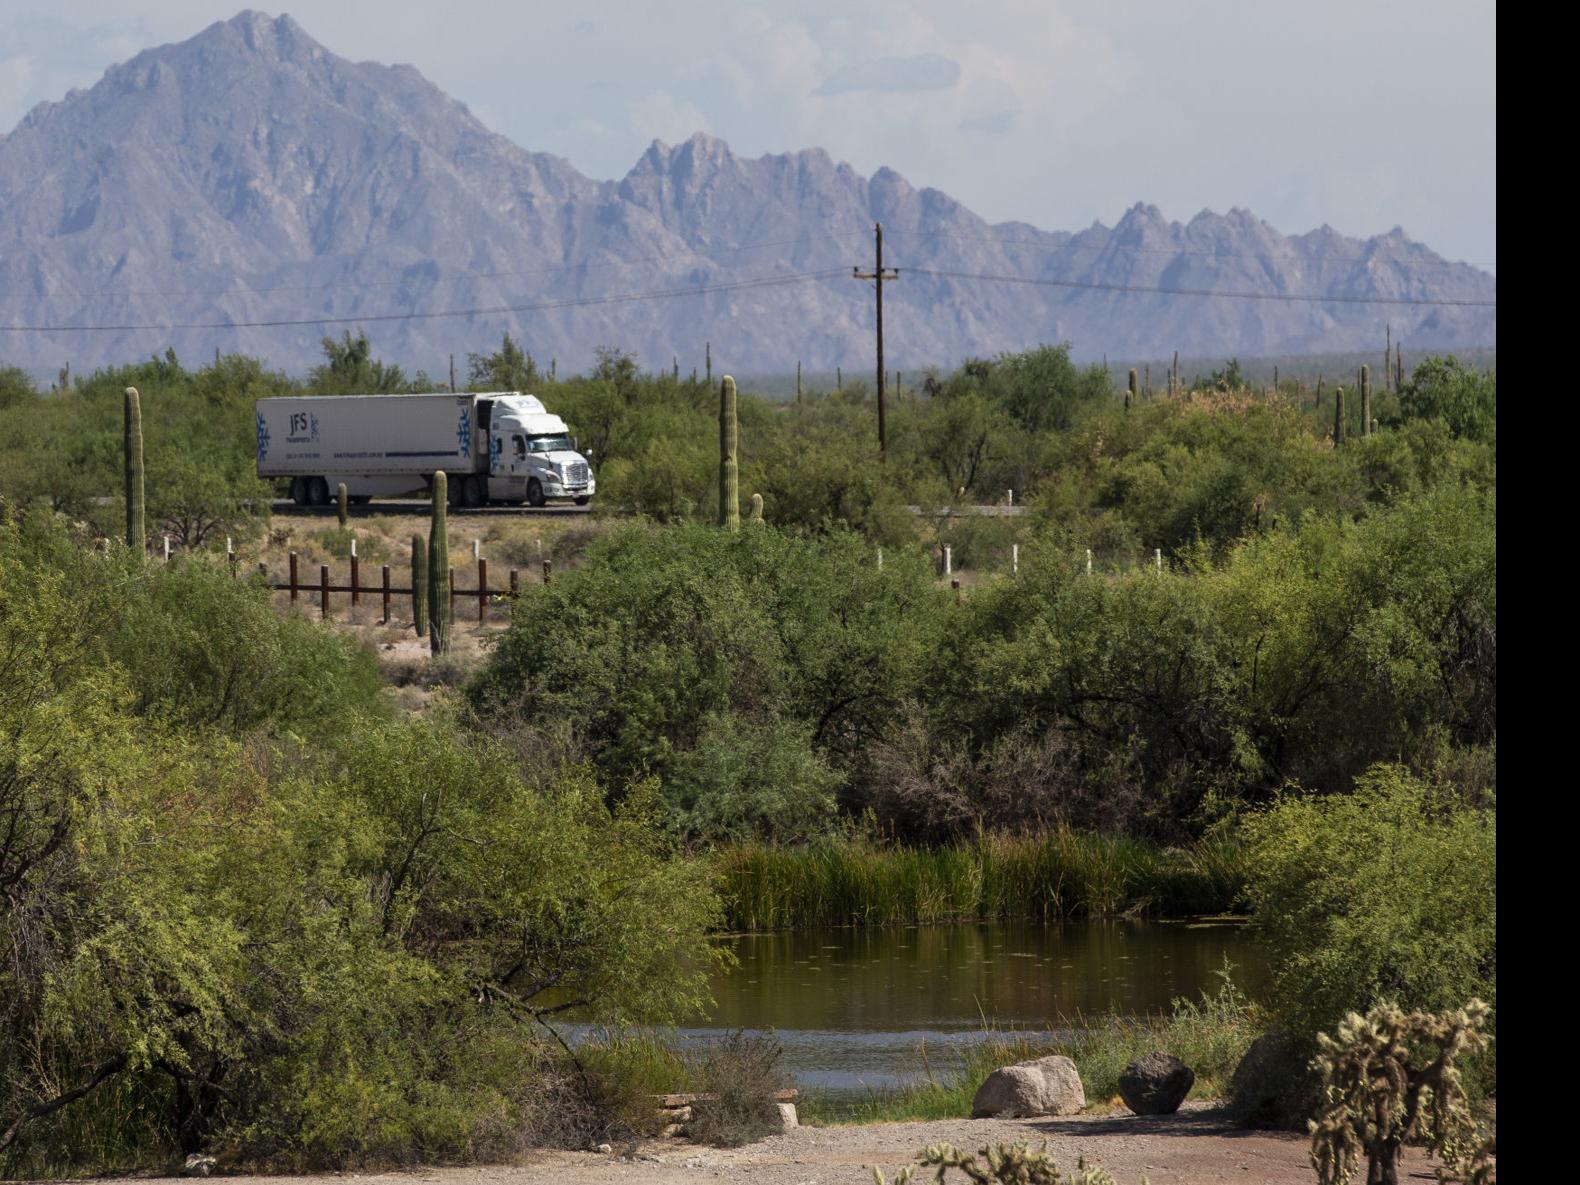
(576, 473)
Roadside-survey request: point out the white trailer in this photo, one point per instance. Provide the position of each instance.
(499, 446)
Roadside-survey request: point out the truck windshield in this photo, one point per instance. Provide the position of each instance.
(549, 444)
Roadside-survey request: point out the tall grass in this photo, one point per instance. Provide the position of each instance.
(1210, 1035)
(1048, 875)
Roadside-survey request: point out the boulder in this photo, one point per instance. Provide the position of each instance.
(1155, 1084)
(787, 1117)
(1042, 1086)
(1274, 1086)
(199, 1164)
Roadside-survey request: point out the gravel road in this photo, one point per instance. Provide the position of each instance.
(1194, 1147)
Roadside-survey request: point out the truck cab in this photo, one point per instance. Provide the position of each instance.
(532, 456)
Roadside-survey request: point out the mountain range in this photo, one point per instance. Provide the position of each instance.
(248, 190)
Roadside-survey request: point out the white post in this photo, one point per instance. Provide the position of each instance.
(948, 561)
(229, 550)
(1157, 557)
(353, 547)
(1012, 496)
(1014, 558)
(477, 545)
(167, 548)
(1088, 561)
(880, 559)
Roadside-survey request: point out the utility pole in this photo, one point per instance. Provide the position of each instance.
(878, 275)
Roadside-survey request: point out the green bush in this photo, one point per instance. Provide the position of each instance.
(1388, 893)
(1384, 895)
(746, 779)
(1461, 397)
(201, 648)
(328, 948)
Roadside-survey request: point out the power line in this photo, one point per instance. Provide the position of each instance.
(689, 253)
(734, 286)
(1286, 296)
(569, 302)
(1067, 245)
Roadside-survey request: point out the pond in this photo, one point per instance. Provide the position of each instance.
(855, 1008)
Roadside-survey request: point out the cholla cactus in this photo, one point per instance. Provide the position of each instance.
(1007, 1164)
(755, 515)
(1378, 1097)
(729, 467)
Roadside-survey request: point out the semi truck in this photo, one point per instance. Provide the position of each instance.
(497, 446)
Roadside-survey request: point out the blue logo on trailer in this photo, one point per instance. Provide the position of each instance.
(263, 439)
(463, 432)
(495, 447)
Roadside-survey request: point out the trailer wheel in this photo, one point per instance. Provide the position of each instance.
(317, 492)
(472, 490)
(535, 493)
(299, 491)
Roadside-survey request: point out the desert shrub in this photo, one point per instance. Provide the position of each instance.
(738, 1076)
(1384, 894)
(746, 778)
(202, 648)
(662, 632)
(1461, 397)
(938, 790)
(601, 1092)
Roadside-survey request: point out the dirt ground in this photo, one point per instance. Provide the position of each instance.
(1193, 1147)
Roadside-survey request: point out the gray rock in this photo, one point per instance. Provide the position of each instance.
(1156, 1084)
(198, 1164)
(787, 1116)
(1273, 1086)
(1043, 1086)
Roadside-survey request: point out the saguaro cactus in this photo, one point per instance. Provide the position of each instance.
(729, 468)
(439, 569)
(419, 585)
(1338, 415)
(756, 513)
(1366, 400)
(1130, 392)
(342, 505)
(136, 530)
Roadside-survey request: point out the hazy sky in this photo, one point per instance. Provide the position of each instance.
(1361, 115)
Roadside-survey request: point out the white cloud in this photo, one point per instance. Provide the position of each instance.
(923, 72)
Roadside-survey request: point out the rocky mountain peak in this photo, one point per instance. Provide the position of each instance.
(249, 174)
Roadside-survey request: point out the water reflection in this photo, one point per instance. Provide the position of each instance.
(853, 1007)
